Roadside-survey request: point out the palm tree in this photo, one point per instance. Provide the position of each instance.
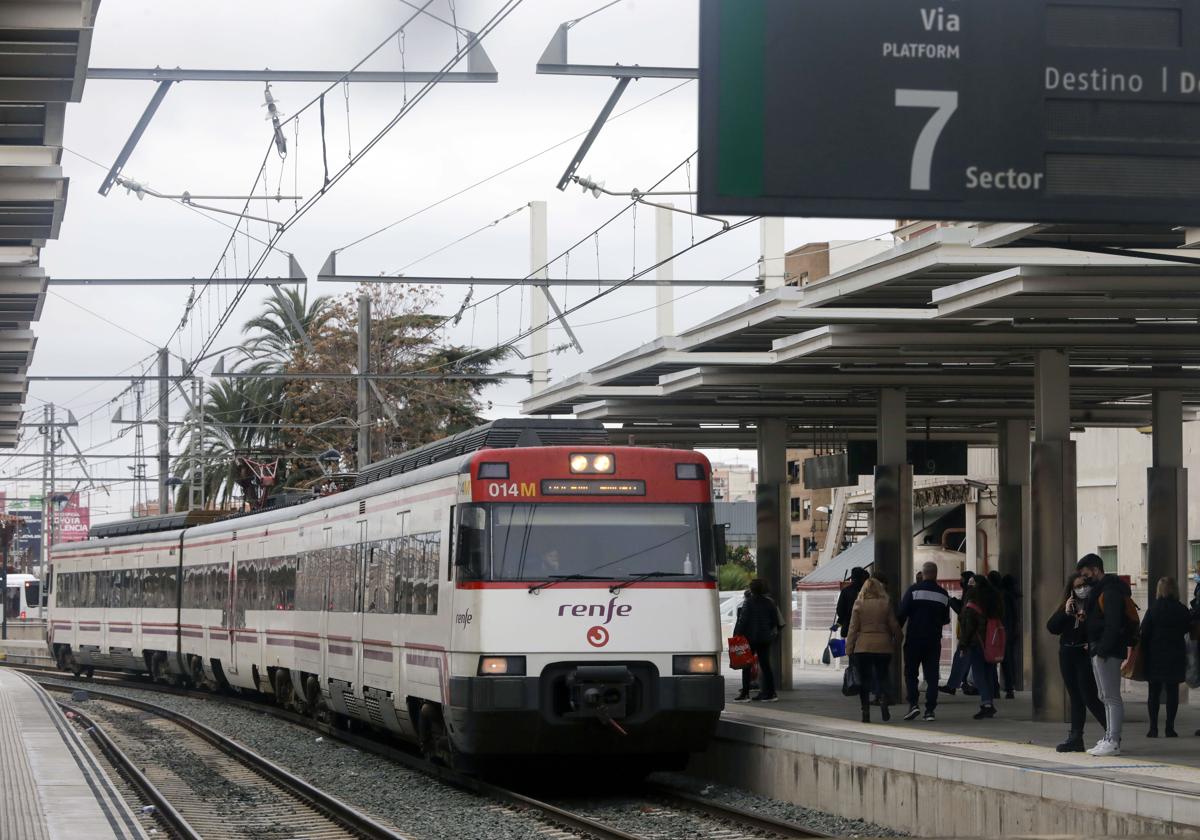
(239, 417)
(282, 325)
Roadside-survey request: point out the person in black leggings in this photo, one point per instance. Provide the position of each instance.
(1164, 650)
(1074, 662)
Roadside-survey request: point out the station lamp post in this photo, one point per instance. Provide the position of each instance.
(8, 530)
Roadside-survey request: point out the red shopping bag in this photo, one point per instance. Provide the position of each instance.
(740, 654)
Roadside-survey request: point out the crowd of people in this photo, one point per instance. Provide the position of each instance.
(1102, 636)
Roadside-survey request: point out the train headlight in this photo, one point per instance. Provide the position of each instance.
(694, 665)
(592, 462)
(496, 666)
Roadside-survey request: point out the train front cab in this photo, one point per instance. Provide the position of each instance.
(585, 610)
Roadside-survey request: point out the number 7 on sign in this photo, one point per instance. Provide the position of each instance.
(944, 103)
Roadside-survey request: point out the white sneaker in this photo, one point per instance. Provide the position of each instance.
(1105, 748)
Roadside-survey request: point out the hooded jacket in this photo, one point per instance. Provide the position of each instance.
(1105, 634)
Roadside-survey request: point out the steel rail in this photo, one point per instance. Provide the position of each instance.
(127, 766)
(739, 816)
(551, 813)
(336, 809)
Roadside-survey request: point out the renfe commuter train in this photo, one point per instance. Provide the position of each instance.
(522, 589)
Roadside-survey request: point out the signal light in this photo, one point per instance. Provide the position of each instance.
(495, 666)
(694, 665)
(589, 462)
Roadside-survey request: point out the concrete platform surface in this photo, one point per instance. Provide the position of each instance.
(957, 776)
(53, 787)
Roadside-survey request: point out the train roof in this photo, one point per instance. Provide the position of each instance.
(505, 433)
(425, 463)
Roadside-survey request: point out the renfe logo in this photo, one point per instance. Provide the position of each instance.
(605, 611)
(463, 618)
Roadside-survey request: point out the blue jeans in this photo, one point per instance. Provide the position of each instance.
(982, 673)
(959, 666)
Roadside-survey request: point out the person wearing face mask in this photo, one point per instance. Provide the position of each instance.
(1108, 643)
(1074, 662)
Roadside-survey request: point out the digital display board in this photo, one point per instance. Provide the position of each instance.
(983, 110)
(592, 487)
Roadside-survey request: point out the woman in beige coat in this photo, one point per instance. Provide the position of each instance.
(874, 635)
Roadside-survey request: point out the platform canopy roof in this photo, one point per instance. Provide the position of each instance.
(43, 66)
(954, 314)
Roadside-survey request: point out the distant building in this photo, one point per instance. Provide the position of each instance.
(742, 519)
(734, 483)
(810, 510)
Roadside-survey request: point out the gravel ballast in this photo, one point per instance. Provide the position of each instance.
(426, 809)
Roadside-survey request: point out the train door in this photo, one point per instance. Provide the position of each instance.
(230, 617)
(362, 552)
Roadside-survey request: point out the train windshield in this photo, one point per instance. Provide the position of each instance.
(538, 542)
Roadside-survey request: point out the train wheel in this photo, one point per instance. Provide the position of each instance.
(434, 741)
(158, 668)
(73, 664)
(89, 672)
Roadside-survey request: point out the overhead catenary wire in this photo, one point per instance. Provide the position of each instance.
(505, 170)
(506, 9)
(399, 271)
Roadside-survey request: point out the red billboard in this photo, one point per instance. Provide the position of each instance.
(71, 524)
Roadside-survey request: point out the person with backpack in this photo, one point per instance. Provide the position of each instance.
(1111, 627)
(1074, 663)
(760, 621)
(1163, 635)
(925, 610)
(874, 635)
(979, 624)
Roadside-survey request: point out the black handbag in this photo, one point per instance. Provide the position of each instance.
(827, 654)
(851, 682)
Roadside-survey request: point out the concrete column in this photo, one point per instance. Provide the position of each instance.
(539, 307)
(664, 294)
(364, 394)
(1166, 495)
(771, 273)
(1012, 526)
(892, 525)
(164, 430)
(893, 494)
(1053, 506)
(774, 534)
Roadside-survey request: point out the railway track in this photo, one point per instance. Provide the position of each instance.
(656, 806)
(204, 785)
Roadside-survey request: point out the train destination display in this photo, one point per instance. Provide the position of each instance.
(961, 109)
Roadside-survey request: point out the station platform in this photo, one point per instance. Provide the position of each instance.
(53, 787)
(24, 652)
(957, 776)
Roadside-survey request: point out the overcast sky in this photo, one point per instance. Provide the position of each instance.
(212, 137)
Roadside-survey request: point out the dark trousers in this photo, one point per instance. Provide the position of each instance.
(873, 676)
(1076, 668)
(1157, 689)
(925, 654)
(766, 677)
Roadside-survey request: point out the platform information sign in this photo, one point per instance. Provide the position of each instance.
(996, 110)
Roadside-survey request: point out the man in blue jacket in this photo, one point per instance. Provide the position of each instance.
(925, 609)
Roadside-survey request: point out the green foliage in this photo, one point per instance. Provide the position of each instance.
(295, 420)
(742, 557)
(731, 577)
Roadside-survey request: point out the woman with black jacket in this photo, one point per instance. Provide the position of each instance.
(1164, 651)
(1075, 663)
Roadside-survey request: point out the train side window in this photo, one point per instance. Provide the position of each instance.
(450, 544)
